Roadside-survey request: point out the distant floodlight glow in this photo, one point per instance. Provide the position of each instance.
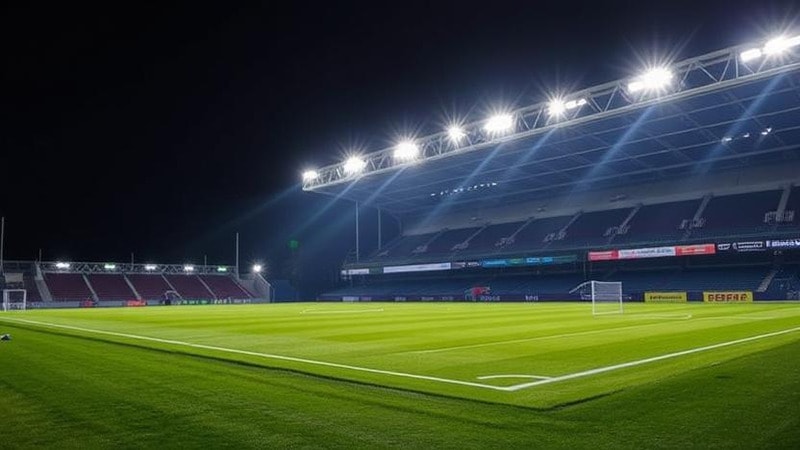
(651, 80)
(110, 266)
(354, 165)
(499, 123)
(406, 150)
(62, 265)
(188, 268)
(150, 267)
(456, 133)
(749, 55)
(780, 44)
(222, 269)
(257, 268)
(766, 131)
(309, 175)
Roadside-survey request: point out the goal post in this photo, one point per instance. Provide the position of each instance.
(606, 297)
(15, 299)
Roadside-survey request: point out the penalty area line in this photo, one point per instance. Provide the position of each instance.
(640, 362)
(261, 355)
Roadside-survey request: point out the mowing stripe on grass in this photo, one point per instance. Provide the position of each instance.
(261, 355)
(532, 339)
(339, 311)
(587, 373)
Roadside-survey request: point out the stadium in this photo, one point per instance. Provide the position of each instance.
(613, 267)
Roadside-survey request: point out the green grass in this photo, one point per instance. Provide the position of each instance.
(386, 375)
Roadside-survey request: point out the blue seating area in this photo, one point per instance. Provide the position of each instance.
(793, 204)
(487, 240)
(727, 216)
(445, 242)
(532, 236)
(405, 245)
(658, 223)
(738, 215)
(590, 228)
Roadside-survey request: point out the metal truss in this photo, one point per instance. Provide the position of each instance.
(714, 71)
(111, 268)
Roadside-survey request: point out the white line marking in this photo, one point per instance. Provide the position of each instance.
(648, 360)
(262, 355)
(336, 311)
(491, 377)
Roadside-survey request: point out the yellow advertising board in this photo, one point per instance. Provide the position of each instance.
(728, 297)
(665, 297)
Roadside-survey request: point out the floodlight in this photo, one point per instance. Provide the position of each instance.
(406, 150)
(556, 107)
(780, 44)
(353, 165)
(651, 80)
(222, 269)
(188, 268)
(749, 55)
(62, 265)
(309, 175)
(257, 268)
(766, 131)
(455, 133)
(726, 139)
(150, 267)
(499, 123)
(110, 266)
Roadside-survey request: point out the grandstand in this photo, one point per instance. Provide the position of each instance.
(685, 178)
(62, 284)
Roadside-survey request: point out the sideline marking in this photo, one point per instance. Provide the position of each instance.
(491, 377)
(639, 362)
(262, 355)
(337, 311)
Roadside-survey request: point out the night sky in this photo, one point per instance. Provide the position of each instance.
(164, 130)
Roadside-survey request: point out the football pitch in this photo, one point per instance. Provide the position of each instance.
(369, 375)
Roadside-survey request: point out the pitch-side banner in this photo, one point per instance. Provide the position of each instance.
(784, 243)
(728, 297)
(417, 268)
(743, 246)
(665, 297)
(653, 252)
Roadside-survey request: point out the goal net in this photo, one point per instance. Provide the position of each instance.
(15, 299)
(606, 297)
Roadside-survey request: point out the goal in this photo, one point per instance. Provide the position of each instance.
(606, 297)
(15, 299)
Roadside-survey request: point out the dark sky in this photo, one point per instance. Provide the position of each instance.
(165, 130)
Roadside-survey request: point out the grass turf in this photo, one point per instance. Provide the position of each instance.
(69, 387)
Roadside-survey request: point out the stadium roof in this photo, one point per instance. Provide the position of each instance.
(728, 109)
